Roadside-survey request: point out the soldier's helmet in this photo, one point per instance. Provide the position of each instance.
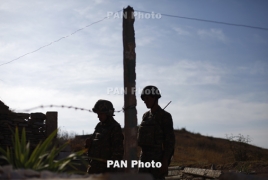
(150, 91)
(104, 106)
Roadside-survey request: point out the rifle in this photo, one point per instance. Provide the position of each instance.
(169, 160)
(167, 104)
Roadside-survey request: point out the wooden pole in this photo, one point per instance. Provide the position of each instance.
(130, 102)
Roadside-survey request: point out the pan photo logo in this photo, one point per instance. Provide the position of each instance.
(133, 90)
(123, 164)
(137, 15)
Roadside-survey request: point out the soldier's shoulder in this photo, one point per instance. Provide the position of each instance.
(98, 125)
(115, 123)
(116, 127)
(167, 119)
(146, 113)
(166, 114)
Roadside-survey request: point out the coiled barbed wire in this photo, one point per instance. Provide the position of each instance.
(78, 108)
(72, 107)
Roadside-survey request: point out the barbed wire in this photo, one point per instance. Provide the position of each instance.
(167, 15)
(64, 37)
(71, 107)
(78, 108)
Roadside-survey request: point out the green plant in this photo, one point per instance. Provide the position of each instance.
(41, 158)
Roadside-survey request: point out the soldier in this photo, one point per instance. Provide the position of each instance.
(155, 135)
(106, 143)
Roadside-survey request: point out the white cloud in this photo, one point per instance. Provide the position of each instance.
(181, 31)
(213, 34)
(259, 67)
(144, 35)
(224, 111)
(65, 75)
(182, 72)
(84, 10)
(221, 117)
(259, 39)
(98, 1)
(144, 41)
(22, 98)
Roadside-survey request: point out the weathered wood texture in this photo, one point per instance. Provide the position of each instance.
(129, 63)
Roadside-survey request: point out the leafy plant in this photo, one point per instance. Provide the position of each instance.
(41, 158)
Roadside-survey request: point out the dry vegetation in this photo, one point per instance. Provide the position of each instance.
(195, 150)
(76, 142)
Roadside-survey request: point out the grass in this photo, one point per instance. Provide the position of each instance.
(195, 150)
(75, 142)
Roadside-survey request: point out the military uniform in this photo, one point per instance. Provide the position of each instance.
(106, 143)
(156, 139)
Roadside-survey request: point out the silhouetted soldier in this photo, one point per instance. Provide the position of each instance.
(155, 135)
(106, 143)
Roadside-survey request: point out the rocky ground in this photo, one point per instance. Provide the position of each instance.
(7, 172)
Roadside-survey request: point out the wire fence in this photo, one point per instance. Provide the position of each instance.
(69, 107)
(162, 14)
(78, 108)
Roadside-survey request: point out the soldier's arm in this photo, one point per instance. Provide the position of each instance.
(117, 148)
(169, 136)
(88, 142)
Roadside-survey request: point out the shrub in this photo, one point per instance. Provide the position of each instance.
(239, 146)
(41, 158)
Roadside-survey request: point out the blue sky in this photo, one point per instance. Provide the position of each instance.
(214, 74)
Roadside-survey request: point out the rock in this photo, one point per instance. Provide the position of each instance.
(31, 173)
(7, 168)
(203, 172)
(213, 167)
(47, 174)
(16, 175)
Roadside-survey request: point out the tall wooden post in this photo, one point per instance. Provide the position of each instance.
(130, 102)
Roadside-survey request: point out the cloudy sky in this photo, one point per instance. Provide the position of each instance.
(214, 74)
